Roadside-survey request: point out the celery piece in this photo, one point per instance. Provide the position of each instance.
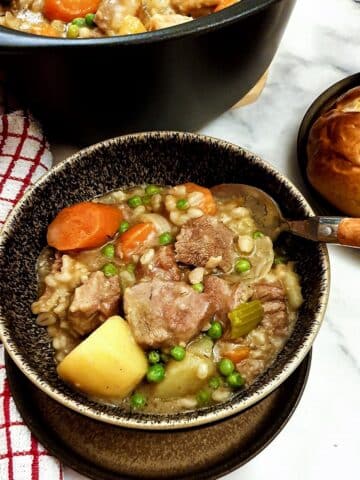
(245, 318)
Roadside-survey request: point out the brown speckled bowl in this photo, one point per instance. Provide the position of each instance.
(165, 158)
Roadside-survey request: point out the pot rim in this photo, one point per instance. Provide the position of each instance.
(187, 419)
(15, 39)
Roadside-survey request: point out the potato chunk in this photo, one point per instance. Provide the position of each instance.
(186, 377)
(109, 364)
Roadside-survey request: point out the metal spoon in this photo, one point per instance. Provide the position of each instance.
(269, 219)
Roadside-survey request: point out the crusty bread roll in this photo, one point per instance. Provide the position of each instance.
(333, 152)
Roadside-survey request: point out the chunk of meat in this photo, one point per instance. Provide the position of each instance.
(224, 297)
(219, 294)
(203, 239)
(189, 7)
(162, 266)
(158, 20)
(266, 292)
(165, 260)
(149, 8)
(264, 342)
(273, 298)
(111, 13)
(163, 314)
(250, 368)
(93, 302)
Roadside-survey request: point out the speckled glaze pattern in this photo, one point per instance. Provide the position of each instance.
(163, 158)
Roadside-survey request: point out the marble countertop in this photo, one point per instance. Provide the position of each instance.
(321, 46)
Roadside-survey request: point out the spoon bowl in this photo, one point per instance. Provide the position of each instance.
(268, 217)
(265, 210)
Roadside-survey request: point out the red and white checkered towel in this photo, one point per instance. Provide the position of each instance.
(21, 456)
(24, 157)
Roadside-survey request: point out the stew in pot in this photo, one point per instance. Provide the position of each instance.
(99, 18)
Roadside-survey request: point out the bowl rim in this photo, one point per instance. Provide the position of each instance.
(10, 38)
(166, 422)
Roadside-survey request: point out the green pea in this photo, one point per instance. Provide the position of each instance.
(154, 357)
(79, 22)
(182, 204)
(138, 401)
(72, 31)
(131, 267)
(165, 238)
(178, 353)
(124, 226)
(257, 235)
(280, 260)
(214, 382)
(198, 287)
(235, 380)
(134, 201)
(242, 265)
(155, 373)
(108, 250)
(89, 19)
(109, 270)
(215, 331)
(203, 397)
(152, 189)
(226, 367)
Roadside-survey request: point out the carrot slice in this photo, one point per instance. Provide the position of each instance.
(130, 241)
(208, 204)
(67, 10)
(238, 354)
(83, 225)
(224, 4)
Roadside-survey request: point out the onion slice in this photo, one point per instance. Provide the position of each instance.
(159, 222)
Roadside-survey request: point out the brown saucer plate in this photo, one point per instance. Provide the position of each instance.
(320, 105)
(107, 452)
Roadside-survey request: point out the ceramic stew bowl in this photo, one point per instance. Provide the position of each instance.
(177, 78)
(160, 158)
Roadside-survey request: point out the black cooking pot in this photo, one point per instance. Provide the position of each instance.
(177, 78)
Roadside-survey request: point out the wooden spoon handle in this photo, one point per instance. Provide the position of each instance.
(349, 232)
